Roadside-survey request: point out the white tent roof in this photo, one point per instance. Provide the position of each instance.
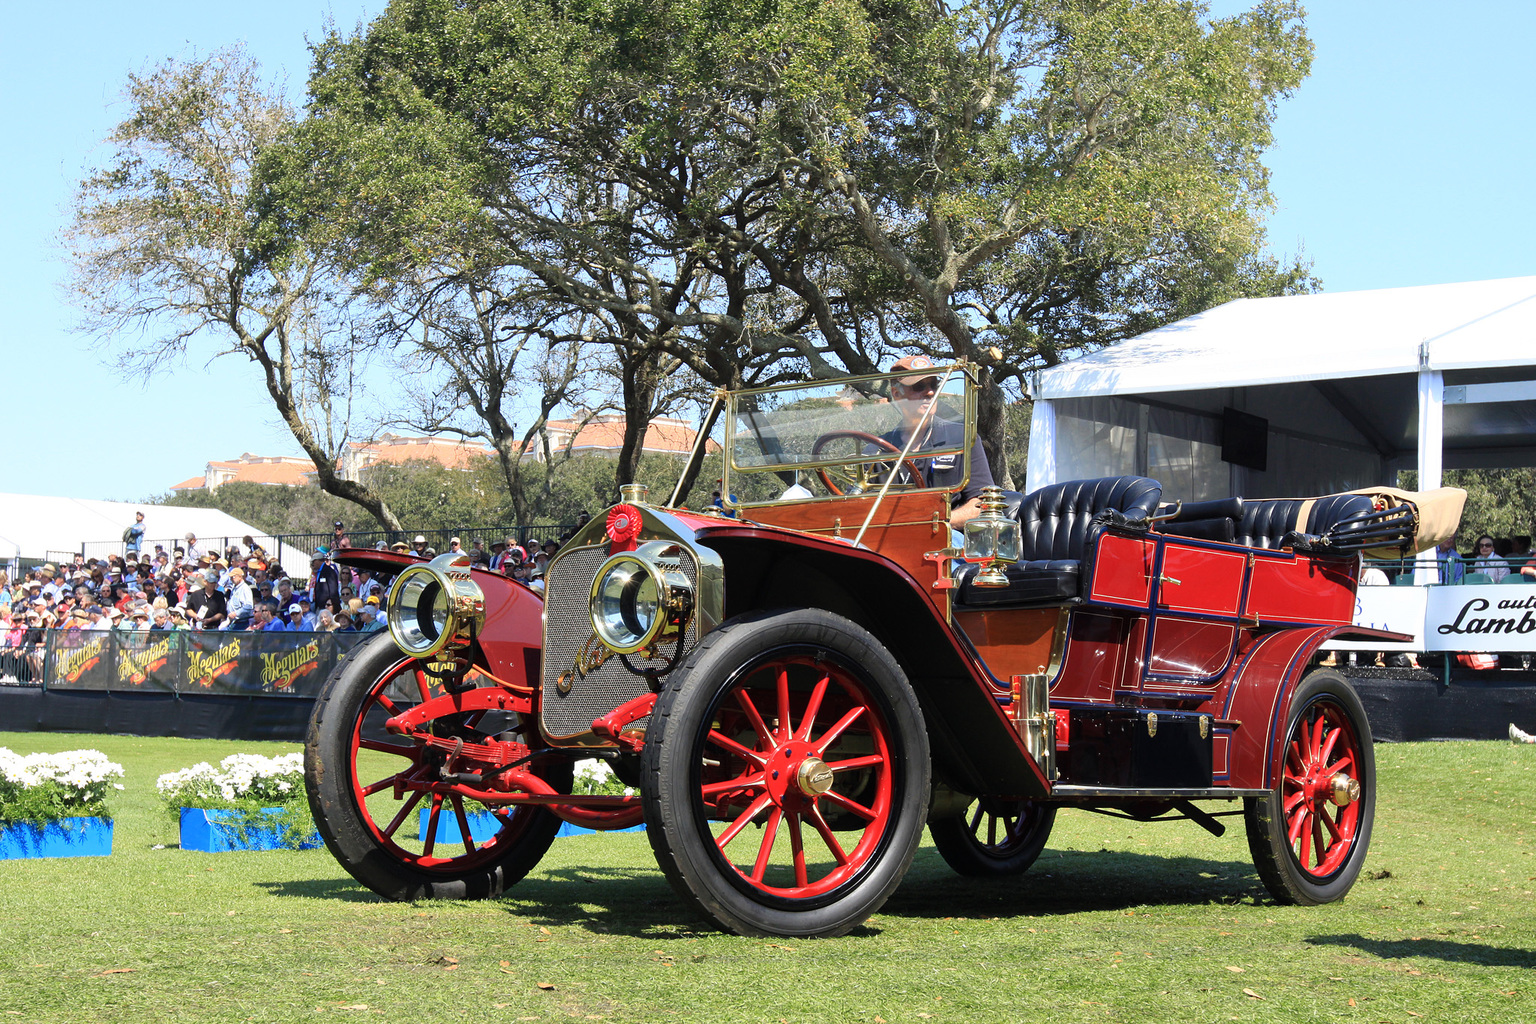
(36, 526)
(1328, 336)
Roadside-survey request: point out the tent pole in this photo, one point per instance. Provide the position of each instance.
(1431, 446)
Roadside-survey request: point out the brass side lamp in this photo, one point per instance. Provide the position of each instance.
(992, 540)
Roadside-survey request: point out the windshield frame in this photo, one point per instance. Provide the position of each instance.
(877, 383)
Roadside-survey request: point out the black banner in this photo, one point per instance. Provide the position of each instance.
(263, 663)
(148, 661)
(79, 660)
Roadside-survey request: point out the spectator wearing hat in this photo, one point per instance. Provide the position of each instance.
(454, 548)
(51, 585)
(213, 610)
(325, 578)
(194, 551)
(419, 545)
(309, 620)
(367, 586)
(242, 603)
(295, 619)
(400, 547)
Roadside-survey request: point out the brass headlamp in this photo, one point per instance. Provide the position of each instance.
(435, 607)
(992, 539)
(640, 598)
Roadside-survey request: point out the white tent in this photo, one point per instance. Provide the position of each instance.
(1329, 392)
(34, 527)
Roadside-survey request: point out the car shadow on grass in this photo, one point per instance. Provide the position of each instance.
(637, 901)
(1439, 949)
(346, 890)
(1072, 881)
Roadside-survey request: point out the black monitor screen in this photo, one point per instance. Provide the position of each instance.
(1244, 439)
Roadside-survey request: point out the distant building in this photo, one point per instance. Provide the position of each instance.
(602, 435)
(605, 435)
(253, 469)
(452, 452)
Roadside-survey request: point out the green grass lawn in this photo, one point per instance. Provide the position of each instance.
(1117, 921)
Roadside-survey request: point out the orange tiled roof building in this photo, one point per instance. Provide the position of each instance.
(601, 435)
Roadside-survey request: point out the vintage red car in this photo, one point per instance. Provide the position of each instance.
(796, 684)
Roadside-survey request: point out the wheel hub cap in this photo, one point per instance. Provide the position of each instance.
(813, 776)
(1343, 790)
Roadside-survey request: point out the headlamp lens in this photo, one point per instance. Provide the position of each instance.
(626, 604)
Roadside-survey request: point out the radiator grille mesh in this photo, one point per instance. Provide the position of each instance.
(568, 627)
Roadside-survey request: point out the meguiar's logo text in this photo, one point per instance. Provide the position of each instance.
(279, 671)
(203, 668)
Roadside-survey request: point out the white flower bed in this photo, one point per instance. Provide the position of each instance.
(594, 776)
(44, 787)
(248, 779)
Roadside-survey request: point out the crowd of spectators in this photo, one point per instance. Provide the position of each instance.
(238, 589)
(1493, 557)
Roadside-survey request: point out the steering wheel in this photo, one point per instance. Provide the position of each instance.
(856, 479)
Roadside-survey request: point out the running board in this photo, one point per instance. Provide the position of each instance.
(1068, 791)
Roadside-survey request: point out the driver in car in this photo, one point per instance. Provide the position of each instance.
(912, 394)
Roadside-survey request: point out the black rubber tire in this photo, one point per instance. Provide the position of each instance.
(1329, 693)
(672, 767)
(333, 800)
(960, 842)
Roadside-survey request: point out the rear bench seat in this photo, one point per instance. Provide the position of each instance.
(1264, 522)
(1058, 534)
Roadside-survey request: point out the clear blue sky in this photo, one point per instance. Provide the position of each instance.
(1405, 159)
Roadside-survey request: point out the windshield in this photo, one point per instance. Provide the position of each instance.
(829, 440)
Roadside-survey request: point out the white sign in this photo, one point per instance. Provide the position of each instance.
(1472, 617)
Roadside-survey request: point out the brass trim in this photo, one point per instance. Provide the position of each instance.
(1343, 790)
(1151, 723)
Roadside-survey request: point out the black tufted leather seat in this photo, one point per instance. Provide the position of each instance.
(1058, 533)
(1263, 522)
(1266, 521)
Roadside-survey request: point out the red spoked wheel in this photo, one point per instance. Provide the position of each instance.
(368, 788)
(1309, 835)
(860, 477)
(994, 838)
(785, 775)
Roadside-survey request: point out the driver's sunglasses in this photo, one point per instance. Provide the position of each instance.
(926, 386)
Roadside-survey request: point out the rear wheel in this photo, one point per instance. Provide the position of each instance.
(785, 776)
(1309, 836)
(994, 838)
(368, 789)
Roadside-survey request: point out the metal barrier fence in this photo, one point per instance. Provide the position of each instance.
(275, 663)
(293, 550)
(1403, 571)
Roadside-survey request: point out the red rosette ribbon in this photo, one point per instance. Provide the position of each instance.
(623, 528)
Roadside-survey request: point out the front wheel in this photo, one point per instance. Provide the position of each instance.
(994, 838)
(370, 791)
(785, 775)
(1309, 836)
